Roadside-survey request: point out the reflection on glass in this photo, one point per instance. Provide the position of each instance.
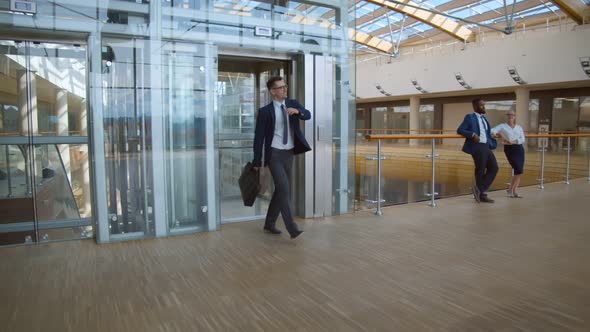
(564, 116)
(185, 108)
(127, 140)
(16, 203)
(43, 187)
(57, 84)
(426, 118)
(54, 195)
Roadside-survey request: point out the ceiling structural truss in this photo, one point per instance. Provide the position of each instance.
(573, 9)
(509, 18)
(425, 15)
(395, 52)
(370, 41)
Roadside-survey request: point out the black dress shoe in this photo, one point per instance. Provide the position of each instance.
(296, 234)
(485, 199)
(272, 230)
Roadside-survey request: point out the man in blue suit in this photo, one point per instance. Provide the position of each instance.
(279, 135)
(479, 143)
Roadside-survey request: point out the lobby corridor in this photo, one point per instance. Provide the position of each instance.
(516, 265)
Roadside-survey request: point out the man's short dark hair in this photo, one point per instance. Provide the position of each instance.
(271, 81)
(475, 102)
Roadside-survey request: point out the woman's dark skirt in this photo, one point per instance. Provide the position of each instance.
(515, 155)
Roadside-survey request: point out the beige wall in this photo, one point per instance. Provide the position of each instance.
(544, 57)
(453, 115)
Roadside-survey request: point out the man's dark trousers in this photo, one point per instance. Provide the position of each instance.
(486, 166)
(280, 168)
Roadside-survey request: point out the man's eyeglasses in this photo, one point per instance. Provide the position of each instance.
(279, 87)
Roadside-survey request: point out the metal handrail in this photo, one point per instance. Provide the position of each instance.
(433, 155)
(438, 136)
(454, 130)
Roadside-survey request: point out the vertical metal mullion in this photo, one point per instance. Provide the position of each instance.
(30, 146)
(212, 173)
(170, 130)
(154, 46)
(144, 177)
(96, 133)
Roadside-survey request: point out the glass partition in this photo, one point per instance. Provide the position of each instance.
(128, 151)
(187, 76)
(45, 190)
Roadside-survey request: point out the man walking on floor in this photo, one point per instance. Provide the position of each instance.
(278, 134)
(479, 143)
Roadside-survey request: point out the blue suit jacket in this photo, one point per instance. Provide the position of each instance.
(265, 131)
(469, 127)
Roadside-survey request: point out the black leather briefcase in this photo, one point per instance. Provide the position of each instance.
(249, 184)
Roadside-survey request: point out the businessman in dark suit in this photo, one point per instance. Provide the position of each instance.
(278, 134)
(479, 143)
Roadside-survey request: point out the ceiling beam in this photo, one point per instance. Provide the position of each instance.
(574, 9)
(443, 8)
(489, 15)
(438, 21)
(370, 41)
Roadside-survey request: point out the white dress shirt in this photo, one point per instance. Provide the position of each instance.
(512, 135)
(277, 141)
(483, 136)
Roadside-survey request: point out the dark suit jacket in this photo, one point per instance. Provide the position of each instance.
(469, 127)
(265, 131)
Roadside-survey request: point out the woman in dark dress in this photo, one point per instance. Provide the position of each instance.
(513, 138)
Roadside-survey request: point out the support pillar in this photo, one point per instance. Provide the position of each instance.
(84, 161)
(62, 129)
(414, 118)
(522, 108)
(28, 123)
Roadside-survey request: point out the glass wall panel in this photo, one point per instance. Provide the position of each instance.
(16, 201)
(185, 76)
(564, 116)
(59, 192)
(426, 117)
(44, 183)
(60, 88)
(496, 111)
(127, 136)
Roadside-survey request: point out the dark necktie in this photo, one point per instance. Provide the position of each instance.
(485, 125)
(285, 124)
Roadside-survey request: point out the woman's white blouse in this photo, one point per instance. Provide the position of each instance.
(514, 135)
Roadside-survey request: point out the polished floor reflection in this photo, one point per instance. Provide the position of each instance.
(517, 265)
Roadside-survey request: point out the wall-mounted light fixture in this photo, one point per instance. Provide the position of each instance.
(418, 87)
(585, 63)
(514, 74)
(461, 81)
(380, 89)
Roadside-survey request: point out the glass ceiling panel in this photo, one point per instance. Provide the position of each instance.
(493, 8)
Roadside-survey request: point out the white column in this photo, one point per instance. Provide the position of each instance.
(414, 118)
(85, 163)
(522, 107)
(62, 128)
(23, 106)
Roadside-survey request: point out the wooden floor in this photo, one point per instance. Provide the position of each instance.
(517, 265)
